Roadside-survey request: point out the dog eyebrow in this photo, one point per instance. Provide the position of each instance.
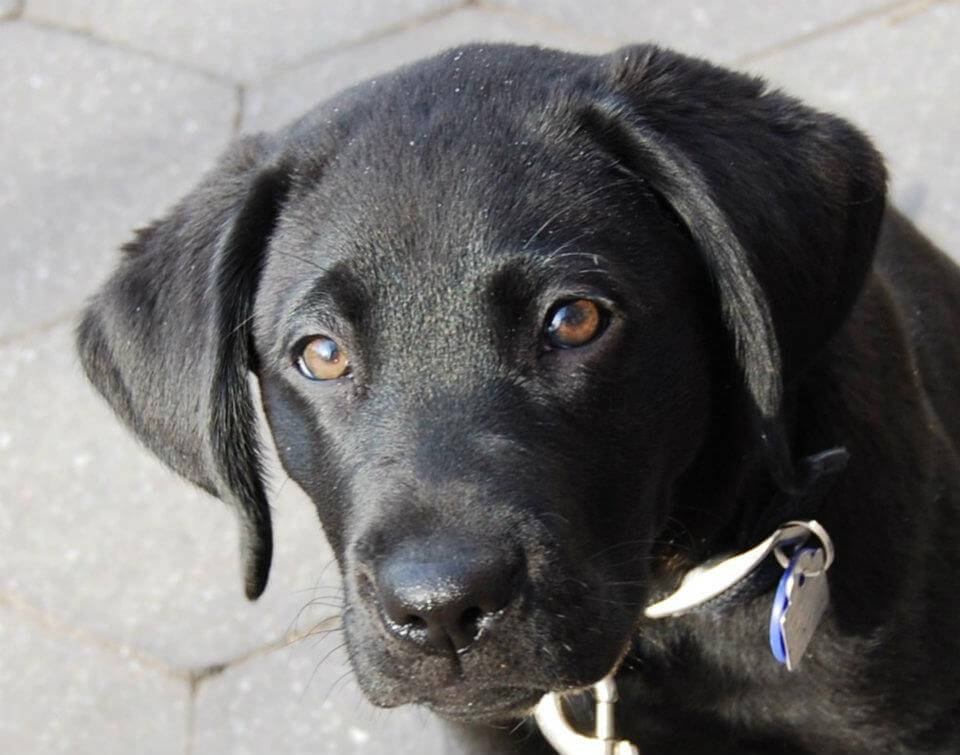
(527, 279)
(337, 297)
(340, 287)
(573, 262)
(575, 203)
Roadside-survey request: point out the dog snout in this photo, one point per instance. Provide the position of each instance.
(442, 593)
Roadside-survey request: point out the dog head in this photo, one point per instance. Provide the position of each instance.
(513, 312)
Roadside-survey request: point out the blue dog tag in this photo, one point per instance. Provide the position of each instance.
(801, 599)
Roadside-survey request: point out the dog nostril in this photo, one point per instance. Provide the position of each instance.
(470, 623)
(442, 594)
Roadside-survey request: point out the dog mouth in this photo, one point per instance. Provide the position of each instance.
(489, 704)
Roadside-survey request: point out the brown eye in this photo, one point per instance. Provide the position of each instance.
(323, 359)
(574, 323)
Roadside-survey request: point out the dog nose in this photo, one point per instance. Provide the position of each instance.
(444, 592)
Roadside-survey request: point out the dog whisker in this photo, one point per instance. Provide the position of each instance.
(555, 515)
(299, 258)
(518, 726)
(321, 632)
(623, 544)
(320, 663)
(570, 206)
(339, 680)
(239, 326)
(612, 602)
(556, 254)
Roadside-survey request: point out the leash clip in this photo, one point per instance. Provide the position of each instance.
(567, 741)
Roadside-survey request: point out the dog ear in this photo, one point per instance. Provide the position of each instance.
(784, 203)
(167, 339)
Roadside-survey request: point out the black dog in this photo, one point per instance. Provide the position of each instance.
(539, 332)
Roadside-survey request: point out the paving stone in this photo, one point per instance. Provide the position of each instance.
(304, 700)
(238, 39)
(9, 8)
(99, 535)
(61, 695)
(896, 77)
(94, 142)
(136, 569)
(281, 98)
(713, 28)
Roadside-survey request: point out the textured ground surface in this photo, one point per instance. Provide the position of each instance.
(122, 624)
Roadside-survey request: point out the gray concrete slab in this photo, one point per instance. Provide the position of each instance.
(897, 78)
(94, 142)
(713, 28)
(60, 694)
(285, 96)
(303, 700)
(236, 39)
(101, 537)
(10, 8)
(116, 578)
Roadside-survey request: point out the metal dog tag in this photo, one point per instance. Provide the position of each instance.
(801, 599)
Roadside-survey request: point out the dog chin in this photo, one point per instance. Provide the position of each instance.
(487, 705)
(460, 701)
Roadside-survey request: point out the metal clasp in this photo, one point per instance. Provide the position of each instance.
(567, 741)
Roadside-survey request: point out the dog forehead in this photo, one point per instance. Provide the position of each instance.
(441, 173)
(442, 234)
(469, 119)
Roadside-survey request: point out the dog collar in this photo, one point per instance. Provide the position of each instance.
(713, 578)
(788, 519)
(799, 603)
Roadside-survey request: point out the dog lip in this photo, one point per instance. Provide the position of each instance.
(508, 702)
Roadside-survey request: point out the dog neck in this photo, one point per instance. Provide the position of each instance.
(727, 579)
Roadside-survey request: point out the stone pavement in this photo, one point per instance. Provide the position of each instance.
(123, 628)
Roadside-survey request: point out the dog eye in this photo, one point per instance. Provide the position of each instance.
(574, 323)
(323, 359)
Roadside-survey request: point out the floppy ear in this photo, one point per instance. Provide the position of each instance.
(784, 203)
(167, 339)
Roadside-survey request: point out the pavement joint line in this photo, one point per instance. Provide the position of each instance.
(197, 675)
(194, 676)
(914, 8)
(119, 46)
(22, 608)
(871, 14)
(375, 35)
(38, 329)
(190, 719)
(240, 96)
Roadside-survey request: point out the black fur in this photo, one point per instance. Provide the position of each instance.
(759, 304)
